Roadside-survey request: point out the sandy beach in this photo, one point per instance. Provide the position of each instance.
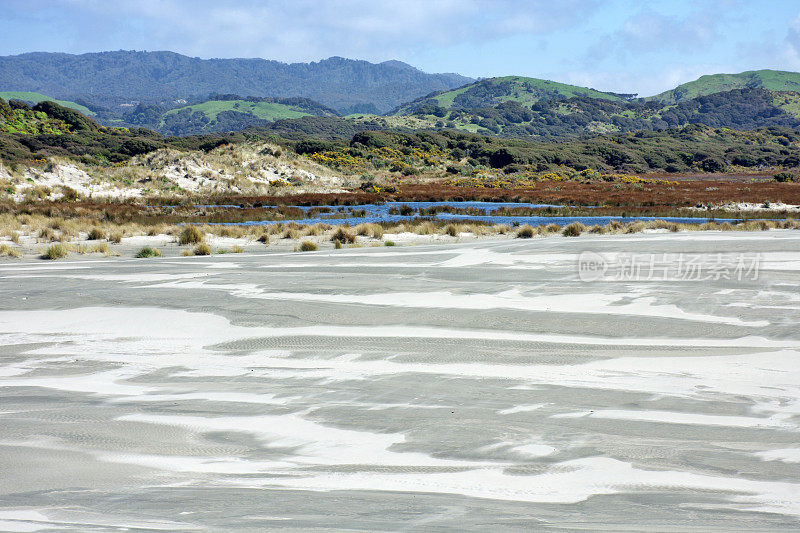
(483, 384)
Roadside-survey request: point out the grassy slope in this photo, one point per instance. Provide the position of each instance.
(263, 110)
(37, 97)
(774, 80)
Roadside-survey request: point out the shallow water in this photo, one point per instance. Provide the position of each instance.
(459, 387)
(381, 213)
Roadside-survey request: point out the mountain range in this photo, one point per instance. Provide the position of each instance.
(113, 77)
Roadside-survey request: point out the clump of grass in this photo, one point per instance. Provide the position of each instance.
(236, 249)
(525, 232)
(597, 229)
(101, 248)
(308, 246)
(186, 253)
(55, 251)
(452, 230)
(9, 251)
(636, 227)
(552, 228)
(263, 238)
(425, 228)
(147, 251)
(202, 249)
(190, 235)
(291, 233)
(502, 229)
(343, 236)
(47, 235)
(389, 243)
(115, 237)
(573, 230)
(96, 234)
(337, 244)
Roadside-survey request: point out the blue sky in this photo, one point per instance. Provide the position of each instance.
(617, 45)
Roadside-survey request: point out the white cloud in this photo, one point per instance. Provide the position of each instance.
(301, 30)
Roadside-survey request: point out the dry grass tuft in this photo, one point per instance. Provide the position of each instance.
(96, 234)
(573, 230)
(55, 251)
(190, 235)
(202, 249)
(525, 232)
(344, 236)
(308, 246)
(9, 251)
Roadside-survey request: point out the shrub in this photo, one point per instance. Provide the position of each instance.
(55, 251)
(389, 243)
(573, 230)
(308, 246)
(525, 232)
(783, 177)
(148, 252)
(202, 249)
(96, 234)
(190, 235)
(343, 236)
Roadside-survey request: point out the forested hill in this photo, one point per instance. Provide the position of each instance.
(344, 84)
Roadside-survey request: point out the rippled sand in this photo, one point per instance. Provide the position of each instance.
(481, 386)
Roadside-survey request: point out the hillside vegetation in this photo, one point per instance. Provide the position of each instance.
(35, 98)
(559, 116)
(773, 80)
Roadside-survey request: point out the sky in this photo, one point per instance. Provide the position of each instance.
(635, 46)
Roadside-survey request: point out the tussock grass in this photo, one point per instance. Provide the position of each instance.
(190, 235)
(236, 249)
(550, 228)
(598, 230)
(525, 232)
(573, 230)
(291, 233)
(96, 234)
(115, 237)
(344, 236)
(308, 246)
(263, 238)
(502, 229)
(9, 251)
(55, 251)
(202, 249)
(101, 248)
(452, 230)
(147, 251)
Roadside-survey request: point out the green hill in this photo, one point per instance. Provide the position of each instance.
(494, 91)
(35, 98)
(262, 110)
(773, 80)
(226, 113)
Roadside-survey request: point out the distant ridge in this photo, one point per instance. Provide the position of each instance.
(772, 80)
(335, 82)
